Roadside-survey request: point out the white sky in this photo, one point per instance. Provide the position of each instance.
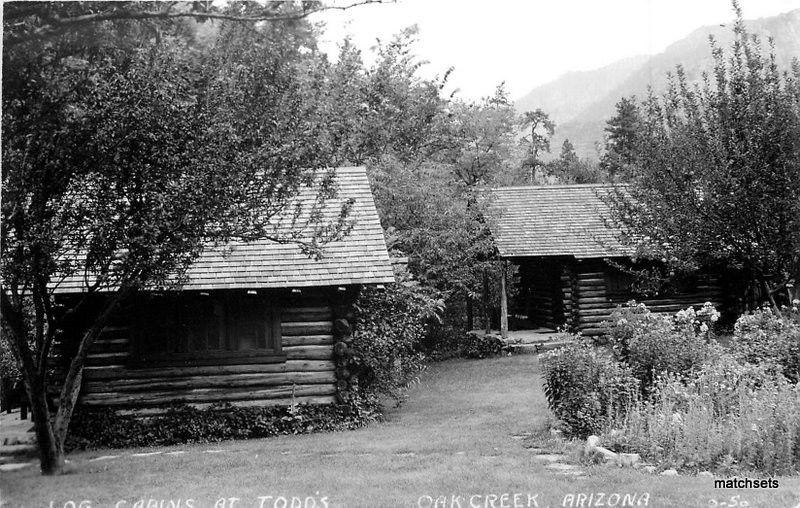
(528, 43)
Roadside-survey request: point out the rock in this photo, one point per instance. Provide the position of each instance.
(628, 459)
(14, 466)
(706, 474)
(549, 457)
(591, 444)
(669, 472)
(607, 454)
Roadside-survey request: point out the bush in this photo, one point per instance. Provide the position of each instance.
(389, 326)
(586, 388)
(443, 341)
(731, 417)
(653, 344)
(105, 428)
(477, 345)
(763, 337)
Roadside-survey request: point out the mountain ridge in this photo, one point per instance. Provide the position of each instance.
(581, 102)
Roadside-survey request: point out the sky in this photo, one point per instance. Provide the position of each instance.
(529, 43)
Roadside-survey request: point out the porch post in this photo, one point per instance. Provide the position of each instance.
(503, 301)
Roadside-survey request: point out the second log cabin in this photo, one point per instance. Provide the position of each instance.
(571, 263)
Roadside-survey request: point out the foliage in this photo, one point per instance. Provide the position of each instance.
(715, 169)
(41, 21)
(763, 337)
(653, 345)
(478, 139)
(541, 130)
(133, 151)
(389, 326)
(587, 388)
(571, 169)
(106, 428)
(731, 417)
(430, 159)
(622, 130)
(385, 109)
(8, 365)
(478, 345)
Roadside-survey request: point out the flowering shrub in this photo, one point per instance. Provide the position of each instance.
(586, 388)
(653, 344)
(701, 322)
(730, 417)
(629, 322)
(763, 337)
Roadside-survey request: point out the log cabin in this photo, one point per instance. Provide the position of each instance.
(570, 260)
(255, 323)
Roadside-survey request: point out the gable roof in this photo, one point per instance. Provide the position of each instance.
(554, 220)
(358, 258)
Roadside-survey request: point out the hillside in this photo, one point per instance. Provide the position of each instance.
(581, 102)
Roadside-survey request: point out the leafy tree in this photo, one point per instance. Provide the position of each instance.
(569, 168)
(479, 137)
(541, 130)
(716, 171)
(622, 130)
(429, 159)
(123, 155)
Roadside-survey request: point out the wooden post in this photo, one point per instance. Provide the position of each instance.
(503, 301)
(487, 316)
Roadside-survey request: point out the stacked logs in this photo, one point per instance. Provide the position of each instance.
(347, 381)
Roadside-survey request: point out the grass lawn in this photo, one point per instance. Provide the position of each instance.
(453, 437)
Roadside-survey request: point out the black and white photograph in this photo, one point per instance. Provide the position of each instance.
(400, 253)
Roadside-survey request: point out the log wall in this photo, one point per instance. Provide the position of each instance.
(592, 304)
(304, 372)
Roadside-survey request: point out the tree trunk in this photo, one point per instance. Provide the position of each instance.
(487, 318)
(470, 314)
(72, 382)
(51, 452)
(770, 297)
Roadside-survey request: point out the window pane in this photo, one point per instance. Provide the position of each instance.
(251, 323)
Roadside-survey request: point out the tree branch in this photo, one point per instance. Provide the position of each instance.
(56, 25)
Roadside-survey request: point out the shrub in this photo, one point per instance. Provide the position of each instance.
(586, 388)
(443, 341)
(388, 328)
(477, 345)
(763, 337)
(627, 323)
(106, 428)
(730, 417)
(653, 344)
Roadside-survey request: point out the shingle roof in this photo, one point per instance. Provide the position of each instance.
(555, 220)
(359, 258)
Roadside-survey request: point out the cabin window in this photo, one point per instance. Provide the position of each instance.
(203, 326)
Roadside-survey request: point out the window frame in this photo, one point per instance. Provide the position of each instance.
(229, 336)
